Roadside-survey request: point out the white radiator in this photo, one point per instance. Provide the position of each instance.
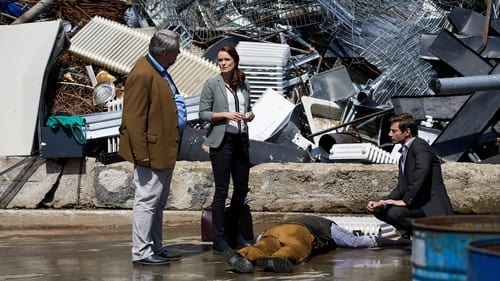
(265, 66)
(192, 105)
(190, 72)
(113, 141)
(117, 47)
(110, 44)
(362, 152)
(365, 226)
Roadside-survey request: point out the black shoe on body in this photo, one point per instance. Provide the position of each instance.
(170, 255)
(276, 264)
(152, 260)
(237, 262)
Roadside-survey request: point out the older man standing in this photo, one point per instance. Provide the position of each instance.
(153, 118)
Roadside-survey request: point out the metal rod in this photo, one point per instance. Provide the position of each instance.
(487, 20)
(362, 118)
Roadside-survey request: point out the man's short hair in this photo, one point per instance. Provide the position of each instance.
(164, 40)
(406, 121)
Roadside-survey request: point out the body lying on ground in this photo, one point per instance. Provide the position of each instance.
(298, 239)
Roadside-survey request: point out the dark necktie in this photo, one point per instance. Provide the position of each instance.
(404, 151)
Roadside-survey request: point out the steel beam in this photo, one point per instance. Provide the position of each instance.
(467, 125)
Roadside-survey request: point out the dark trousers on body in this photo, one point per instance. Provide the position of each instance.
(229, 161)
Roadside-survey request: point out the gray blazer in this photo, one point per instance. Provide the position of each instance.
(213, 99)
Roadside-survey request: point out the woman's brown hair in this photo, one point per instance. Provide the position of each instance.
(238, 76)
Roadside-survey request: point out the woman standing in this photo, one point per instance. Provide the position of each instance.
(225, 103)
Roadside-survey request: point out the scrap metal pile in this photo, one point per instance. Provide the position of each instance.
(325, 74)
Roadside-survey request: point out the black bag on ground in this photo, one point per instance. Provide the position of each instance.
(245, 226)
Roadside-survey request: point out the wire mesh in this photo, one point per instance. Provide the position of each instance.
(209, 19)
(269, 15)
(387, 34)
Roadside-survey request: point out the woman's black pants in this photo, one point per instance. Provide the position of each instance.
(229, 161)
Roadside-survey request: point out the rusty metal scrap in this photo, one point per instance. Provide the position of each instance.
(74, 100)
(73, 90)
(80, 12)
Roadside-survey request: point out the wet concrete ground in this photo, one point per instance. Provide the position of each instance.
(105, 255)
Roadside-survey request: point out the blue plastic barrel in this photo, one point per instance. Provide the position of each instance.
(439, 244)
(483, 260)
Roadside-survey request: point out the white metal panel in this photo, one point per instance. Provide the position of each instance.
(271, 111)
(24, 54)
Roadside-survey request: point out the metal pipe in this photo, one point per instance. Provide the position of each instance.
(467, 84)
(366, 94)
(34, 12)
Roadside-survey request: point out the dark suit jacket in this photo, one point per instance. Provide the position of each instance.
(149, 118)
(421, 185)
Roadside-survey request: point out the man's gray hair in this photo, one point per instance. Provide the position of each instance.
(164, 40)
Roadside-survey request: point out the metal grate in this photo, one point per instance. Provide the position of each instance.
(269, 16)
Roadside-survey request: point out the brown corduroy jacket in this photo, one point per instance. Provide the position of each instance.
(149, 118)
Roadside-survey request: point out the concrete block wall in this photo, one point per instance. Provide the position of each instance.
(274, 187)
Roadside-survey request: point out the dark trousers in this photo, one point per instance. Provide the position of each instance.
(400, 217)
(229, 161)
